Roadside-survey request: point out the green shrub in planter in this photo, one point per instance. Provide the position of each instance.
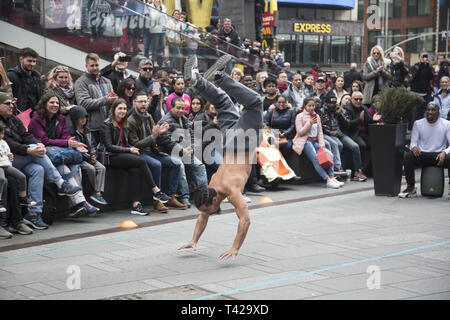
(395, 105)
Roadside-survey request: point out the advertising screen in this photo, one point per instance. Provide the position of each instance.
(341, 3)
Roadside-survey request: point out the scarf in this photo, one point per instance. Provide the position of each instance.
(375, 64)
(50, 128)
(68, 91)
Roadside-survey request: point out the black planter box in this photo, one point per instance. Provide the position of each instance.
(387, 144)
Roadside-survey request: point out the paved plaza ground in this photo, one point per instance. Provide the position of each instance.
(310, 243)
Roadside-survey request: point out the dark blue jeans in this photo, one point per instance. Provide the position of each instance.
(156, 162)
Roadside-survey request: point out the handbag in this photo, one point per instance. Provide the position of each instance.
(65, 156)
(103, 155)
(324, 159)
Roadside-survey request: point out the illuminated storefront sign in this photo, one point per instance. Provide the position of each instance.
(312, 27)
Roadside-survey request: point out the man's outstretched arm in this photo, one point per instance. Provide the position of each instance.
(200, 226)
(244, 223)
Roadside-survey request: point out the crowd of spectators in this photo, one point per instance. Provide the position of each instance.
(113, 119)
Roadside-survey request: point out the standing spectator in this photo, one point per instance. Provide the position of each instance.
(173, 36)
(443, 66)
(430, 139)
(25, 80)
(314, 71)
(309, 138)
(442, 97)
(192, 39)
(178, 84)
(114, 136)
(155, 33)
(282, 82)
(59, 83)
(214, 25)
(146, 136)
(91, 167)
(375, 74)
(398, 67)
(339, 90)
(116, 71)
(30, 158)
(287, 69)
(351, 75)
(295, 94)
(127, 91)
(145, 82)
(230, 38)
(95, 93)
(49, 127)
(422, 75)
(159, 93)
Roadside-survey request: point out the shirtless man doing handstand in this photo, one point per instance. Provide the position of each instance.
(231, 177)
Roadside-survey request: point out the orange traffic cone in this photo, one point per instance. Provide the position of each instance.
(128, 224)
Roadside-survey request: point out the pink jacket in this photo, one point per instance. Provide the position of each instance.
(186, 98)
(303, 126)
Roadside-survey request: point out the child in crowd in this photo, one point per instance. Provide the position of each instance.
(6, 169)
(94, 170)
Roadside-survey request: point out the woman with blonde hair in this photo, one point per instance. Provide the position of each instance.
(5, 84)
(260, 77)
(60, 83)
(398, 67)
(237, 74)
(376, 74)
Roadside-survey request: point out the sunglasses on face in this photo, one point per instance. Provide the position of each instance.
(358, 99)
(131, 88)
(147, 69)
(61, 68)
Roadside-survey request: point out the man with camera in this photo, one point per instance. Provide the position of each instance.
(117, 70)
(422, 74)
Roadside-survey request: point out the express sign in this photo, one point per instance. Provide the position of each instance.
(312, 28)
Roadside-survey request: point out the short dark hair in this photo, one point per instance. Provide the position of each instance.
(140, 93)
(28, 52)
(306, 100)
(268, 81)
(172, 104)
(204, 196)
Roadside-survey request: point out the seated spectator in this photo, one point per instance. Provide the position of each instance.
(282, 82)
(30, 158)
(127, 92)
(281, 120)
(94, 93)
(59, 83)
(376, 75)
(148, 137)
(178, 84)
(332, 132)
(356, 86)
(270, 85)
(260, 77)
(5, 84)
(114, 136)
(351, 118)
(116, 71)
(398, 67)
(308, 85)
(48, 125)
(339, 90)
(26, 81)
(430, 139)
(178, 120)
(237, 74)
(208, 120)
(320, 89)
(295, 94)
(442, 97)
(91, 167)
(159, 93)
(145, 82)
(309, 138)
(345, 100)
(287, 69)
(249, 82)
(7, 170)
(197, 107)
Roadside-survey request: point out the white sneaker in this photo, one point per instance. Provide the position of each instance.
(246, 198)
(341, 184)
(333, 184)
